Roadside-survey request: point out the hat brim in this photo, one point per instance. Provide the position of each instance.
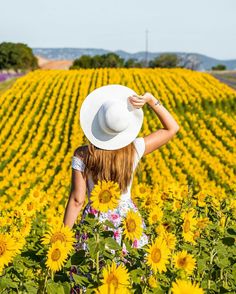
(89, 117)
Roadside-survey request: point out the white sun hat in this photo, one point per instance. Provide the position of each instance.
(108, 119)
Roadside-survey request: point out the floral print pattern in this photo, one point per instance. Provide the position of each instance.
(116, 216)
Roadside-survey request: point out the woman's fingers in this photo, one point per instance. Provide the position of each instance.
(135, 98)
(137, 102)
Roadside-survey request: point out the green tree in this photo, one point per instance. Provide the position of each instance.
(165, 60)
(132, 62)
(112, 60)
(106, 60)
(85, 61)
(219, 67)
(17, 56)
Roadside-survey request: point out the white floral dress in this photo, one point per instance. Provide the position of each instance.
(125, 204)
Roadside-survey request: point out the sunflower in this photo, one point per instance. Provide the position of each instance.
(115, 280)
(105, 195)
(152, 282)
(56, 256)
(182, 287)
(158, 254)
(155, 215)
(149, 202)
(185, 261)
(35, 193)
(132, 225)
(141, 191)
(189, 226)
(7, 249)
(30, 207)
(18, 238)
(26, 227)
(202, 222)
(201, 197)
(60, 232)
(170, 239)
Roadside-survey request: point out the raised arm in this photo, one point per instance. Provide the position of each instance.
(163, 135)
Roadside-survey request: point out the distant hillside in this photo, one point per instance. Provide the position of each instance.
(204, 62)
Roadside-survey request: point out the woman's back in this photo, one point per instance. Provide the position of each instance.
(139, 145)
(125, 203)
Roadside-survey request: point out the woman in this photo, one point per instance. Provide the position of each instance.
(111, 118)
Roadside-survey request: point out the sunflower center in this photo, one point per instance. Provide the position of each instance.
(112, 279)
(36, 194)
(30, 206)
(105, 196)
(148, 201)
(164, 196)
(142, 190)
(154, 217)
(186, 226)
(56, 254)
(131, 225)
(2, 247)
(58, 236)
(156, 255)
(182, 261)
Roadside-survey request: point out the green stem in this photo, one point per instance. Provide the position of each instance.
(97, 263)
(213, 253)
(97, 258)
(45, 281)
(52, 275)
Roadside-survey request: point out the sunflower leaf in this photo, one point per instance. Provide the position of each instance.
(81, 280)
(109, 224)
(112, 244)
(53, 288)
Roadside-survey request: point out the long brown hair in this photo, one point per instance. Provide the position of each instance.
(110, 165)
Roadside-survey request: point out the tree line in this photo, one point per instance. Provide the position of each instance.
(20, 57)
(165, 60)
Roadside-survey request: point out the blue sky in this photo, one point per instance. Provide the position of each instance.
(202, 26)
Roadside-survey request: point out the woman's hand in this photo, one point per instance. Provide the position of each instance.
(138, 101)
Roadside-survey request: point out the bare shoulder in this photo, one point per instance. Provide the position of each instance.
(81, 151)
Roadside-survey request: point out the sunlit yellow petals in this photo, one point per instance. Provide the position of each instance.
(155, 215)
(132, 225)
(105, 195)
(141, 190)
(152, 282)
(56, 256)
(149, 202)
(7, 249)
(189, 226)
(176, 205)
(115, 280)
(184, 261)
(59, 233)
(158, 255)
(186, 287)
(19, 239)
(201, 197)
(202, 222)
(30, 207)
(170, 239)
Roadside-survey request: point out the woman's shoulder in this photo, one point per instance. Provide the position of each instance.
(78, 158)
(81, 151)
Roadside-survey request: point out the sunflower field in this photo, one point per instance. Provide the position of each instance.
(185, 190)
